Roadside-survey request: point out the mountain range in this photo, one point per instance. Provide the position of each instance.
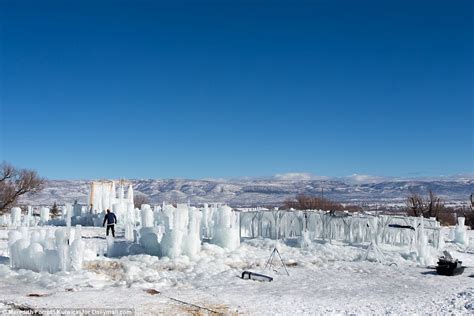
(263, 192)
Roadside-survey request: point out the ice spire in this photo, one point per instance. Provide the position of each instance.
(130, 194)
(121, 192)
(113, 194)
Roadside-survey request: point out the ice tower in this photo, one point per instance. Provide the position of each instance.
(103, 195)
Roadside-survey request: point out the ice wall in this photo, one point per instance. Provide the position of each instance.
(103, 196)
(341, 226)
(42, 251)
(226, 228)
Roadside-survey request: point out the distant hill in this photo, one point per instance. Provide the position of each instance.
(246, 193)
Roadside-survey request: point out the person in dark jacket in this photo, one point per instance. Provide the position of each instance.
(111, 221)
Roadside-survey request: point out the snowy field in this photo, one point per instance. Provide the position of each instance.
(324, 278)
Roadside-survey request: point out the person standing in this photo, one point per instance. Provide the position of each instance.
(111, 220)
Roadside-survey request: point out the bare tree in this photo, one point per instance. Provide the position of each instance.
(15, 183)
(470, 214)
(140, 199)
(308, 202)
(415, 204)
(434, 205)
(431, 206)
(55, 210)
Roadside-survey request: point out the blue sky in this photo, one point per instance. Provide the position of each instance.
(224, 89)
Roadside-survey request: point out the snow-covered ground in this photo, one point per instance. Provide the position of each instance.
(324, 278)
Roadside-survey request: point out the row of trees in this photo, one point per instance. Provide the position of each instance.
(309, 202)
(417, 204)
(432, 205)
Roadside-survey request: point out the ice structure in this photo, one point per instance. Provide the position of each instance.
(28, 219)
(150, 235)
(460, 234)
(182, 231)
(176, 222)
(41, 250)
(226, 228)
(5, 220)
(341, 226)
(142, 239)
(44, 215)
(165, 231)
(67, 213)
(420, 236)
(168, 231)
(424, 251)
(15, 216)
(147, 216)
(129, 222)
(192, 239)
(77, 209)
(103, 196)
(207, 221)
(175, 231)
(77, 250)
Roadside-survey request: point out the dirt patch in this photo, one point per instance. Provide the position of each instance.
(152, 291)
(222, 309)
(201, 308)
(37, 295)
(206, 310)
(113, 269)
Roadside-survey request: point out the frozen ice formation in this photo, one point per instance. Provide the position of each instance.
(41, 250)
(460, 235)
(350, 228)
(15, 216)
(173, 231)
(226, 228)
(103, 196)
(147, 215)
(182, 231)
(16, 219)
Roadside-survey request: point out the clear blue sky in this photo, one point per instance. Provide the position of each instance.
(201, 89)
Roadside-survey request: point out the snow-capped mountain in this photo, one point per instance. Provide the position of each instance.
(262, 191)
